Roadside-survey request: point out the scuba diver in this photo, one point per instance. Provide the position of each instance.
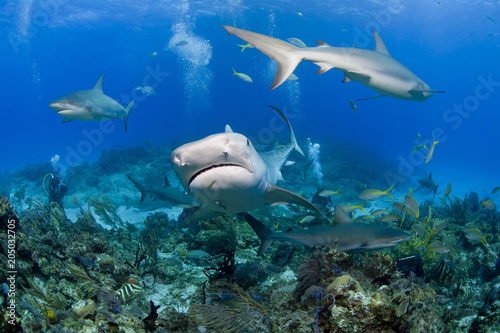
(57, 189)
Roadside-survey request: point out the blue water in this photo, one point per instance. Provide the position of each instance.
(51, 48)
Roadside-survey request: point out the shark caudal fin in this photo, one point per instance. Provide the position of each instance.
(278, 50)
(264, 233)
(127, 111)
(292, 138)
(140, 187)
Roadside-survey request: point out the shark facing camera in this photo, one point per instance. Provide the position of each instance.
(225, 174)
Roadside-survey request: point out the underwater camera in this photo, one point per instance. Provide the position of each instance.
(62, 188)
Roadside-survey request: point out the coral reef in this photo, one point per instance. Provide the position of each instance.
(114, 267)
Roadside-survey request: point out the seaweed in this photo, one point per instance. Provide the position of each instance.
(457, 209)
(239, 313)
(309, 273)
(78, 274)
(104, 208)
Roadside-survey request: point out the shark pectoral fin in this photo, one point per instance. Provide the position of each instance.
(323, 67)
(127, 110)
(346, 79)
(98, 85)
(364, 99)
(195, 214)
(66, 120)
(277, 196)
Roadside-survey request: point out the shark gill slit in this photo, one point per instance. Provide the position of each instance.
(212, 167)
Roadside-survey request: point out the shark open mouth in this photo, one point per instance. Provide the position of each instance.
(213, 167)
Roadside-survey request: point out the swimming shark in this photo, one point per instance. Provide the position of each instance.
(429, 184)
(90, 104)
(225, 174)
(375, 69)
(166, 193)
(345, 235)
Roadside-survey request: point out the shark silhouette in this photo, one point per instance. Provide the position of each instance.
(375, 69)
(90, 104)
(345, 235)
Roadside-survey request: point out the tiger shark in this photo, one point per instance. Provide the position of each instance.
(90, 104)
(345, 235)
(375, 69)
(225, 174)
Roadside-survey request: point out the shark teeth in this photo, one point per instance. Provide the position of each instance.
(214, 166)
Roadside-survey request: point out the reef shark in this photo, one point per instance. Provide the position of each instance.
(375, 69)
(345, 235)
(166, 193)
(429, 184)
(225, 174)
(90, 104)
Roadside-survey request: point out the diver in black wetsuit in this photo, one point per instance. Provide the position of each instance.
(57, 190)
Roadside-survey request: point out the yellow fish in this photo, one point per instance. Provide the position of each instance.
(489, 204)
(448, 190)
(428, 157)
(297, 42)
(361, 185)
(372, 193)
(416, 148)
(351, 208)
(243, 76)
(353, 107)
(390, 218)
(495, 190)
(412, 205)
(329, 193)
(243, 47)
(307, 219)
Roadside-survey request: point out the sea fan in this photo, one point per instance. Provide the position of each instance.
(239, 313)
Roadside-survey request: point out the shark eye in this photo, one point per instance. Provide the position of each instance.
(248, 143)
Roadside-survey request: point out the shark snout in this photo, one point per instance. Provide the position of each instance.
(56, 106)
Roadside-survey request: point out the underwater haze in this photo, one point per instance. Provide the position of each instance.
(188, 78)
(56, 47)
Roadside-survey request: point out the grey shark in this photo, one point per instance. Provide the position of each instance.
(166, 193)
(345, 235)
(225, 174)
(375, 69)
(429, 184)
(90, 104)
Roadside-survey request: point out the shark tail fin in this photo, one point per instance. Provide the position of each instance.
(285, 54)
(265, 234)
(127, 111)
(140, 187)
(292, 138)
(435, 190)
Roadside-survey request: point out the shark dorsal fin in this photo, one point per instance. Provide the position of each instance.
(98, 85)
(341, 216)
(379, 44)
(430, 176)
(167, 183)
(321, 43)
(228, 129)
